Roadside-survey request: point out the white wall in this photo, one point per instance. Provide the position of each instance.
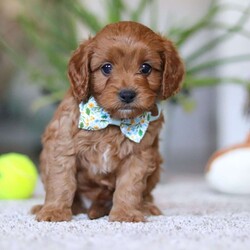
(232, 125)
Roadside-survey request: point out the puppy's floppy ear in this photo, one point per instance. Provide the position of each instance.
(173, 70)
(79, 70)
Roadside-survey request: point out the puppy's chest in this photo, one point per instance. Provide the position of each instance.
(102, 162)
(100, 151)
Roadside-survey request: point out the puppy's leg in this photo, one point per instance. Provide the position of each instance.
(101, 206)
(78, 205)
(130, 186)
(148, 199)
(60, 186)
(57, 163)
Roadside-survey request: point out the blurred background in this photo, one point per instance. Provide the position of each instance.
(213, 37)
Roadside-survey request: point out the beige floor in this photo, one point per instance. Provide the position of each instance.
(195, 217)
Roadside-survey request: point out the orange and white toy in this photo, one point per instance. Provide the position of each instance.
(228, 170)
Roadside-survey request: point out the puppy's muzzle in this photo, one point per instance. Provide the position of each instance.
(127, 95)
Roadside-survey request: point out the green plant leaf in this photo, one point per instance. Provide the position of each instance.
(218, 40)
(185, 34)
(136, 14)
(218, 62)
(114, 9)
(194, 82)
(78, 9)
(46, 100)
(226, 27)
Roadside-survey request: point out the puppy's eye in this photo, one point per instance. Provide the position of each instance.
(145, 69)
(106, 69)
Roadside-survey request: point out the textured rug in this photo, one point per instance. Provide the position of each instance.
(195, 217)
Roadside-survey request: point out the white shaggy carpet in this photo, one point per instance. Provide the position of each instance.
(194, 218)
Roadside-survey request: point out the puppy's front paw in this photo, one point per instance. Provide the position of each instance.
(126, 216)
(54, 215)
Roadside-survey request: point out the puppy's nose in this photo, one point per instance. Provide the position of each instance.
(127, 95)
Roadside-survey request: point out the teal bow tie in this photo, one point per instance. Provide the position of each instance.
(94, 117)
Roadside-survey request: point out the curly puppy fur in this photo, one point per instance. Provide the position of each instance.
(116, 174)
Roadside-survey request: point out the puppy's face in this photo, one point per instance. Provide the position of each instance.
(126, 67)
(126, 74)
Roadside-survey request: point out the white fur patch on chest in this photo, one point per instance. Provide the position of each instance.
(104, 165)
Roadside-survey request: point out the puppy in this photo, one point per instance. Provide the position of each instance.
(102, 143)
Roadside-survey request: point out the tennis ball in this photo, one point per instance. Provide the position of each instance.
(18, 176)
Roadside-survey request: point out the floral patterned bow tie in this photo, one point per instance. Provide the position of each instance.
(94, 117)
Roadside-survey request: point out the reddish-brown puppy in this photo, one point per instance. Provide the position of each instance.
(115, 173)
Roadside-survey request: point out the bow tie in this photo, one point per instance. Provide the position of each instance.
(94, 117)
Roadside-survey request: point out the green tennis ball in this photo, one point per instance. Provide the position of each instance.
(18, 176)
